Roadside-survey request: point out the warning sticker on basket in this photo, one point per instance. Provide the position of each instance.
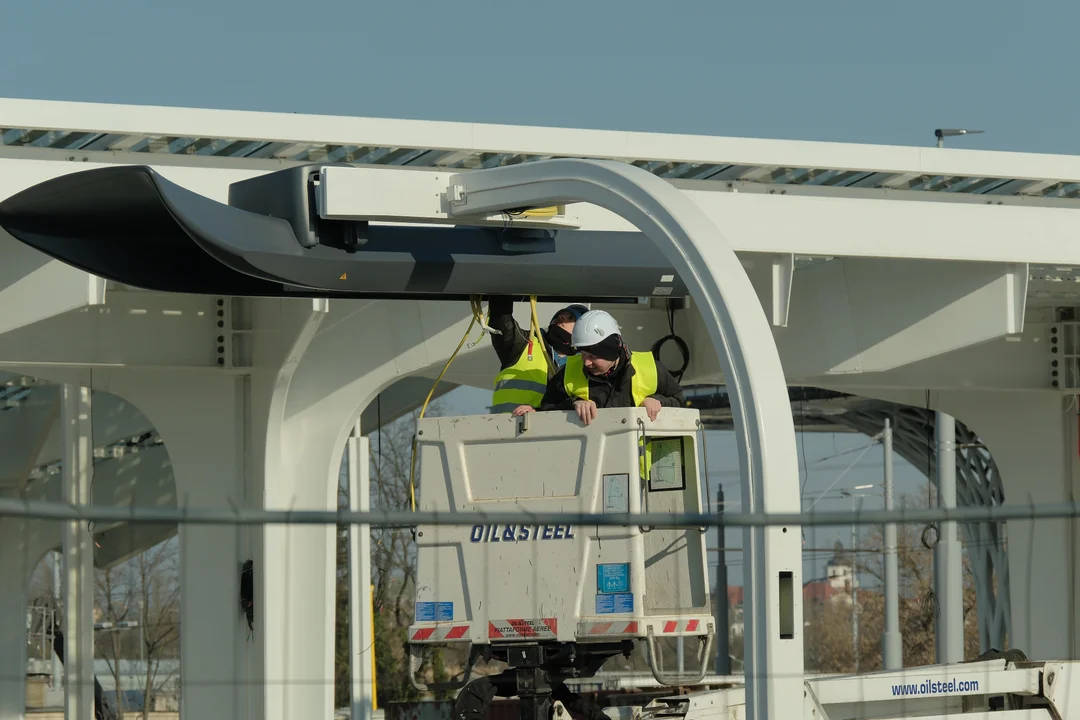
(540, 628)
(615, 603)
(617, 493)
(612, 578)
(434, 611)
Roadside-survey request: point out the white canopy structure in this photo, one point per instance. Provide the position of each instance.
(939, 279)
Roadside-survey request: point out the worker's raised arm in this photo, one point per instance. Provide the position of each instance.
(668, 390)
(511, 342)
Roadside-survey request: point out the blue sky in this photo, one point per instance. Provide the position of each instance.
(870, 72)
(850, 71)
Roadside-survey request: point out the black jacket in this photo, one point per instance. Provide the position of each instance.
(510, 344)
(614, 393)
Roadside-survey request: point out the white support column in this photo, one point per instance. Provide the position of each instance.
(1025, 431)
(204, 422)
(743, 340)
(361, 636)
(78, 552)
(57, 666)
(340, 371)
(22, 545)
(948, 555)
(892, 642)
(14, 562)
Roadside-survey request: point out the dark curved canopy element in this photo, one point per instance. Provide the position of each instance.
(133, 226)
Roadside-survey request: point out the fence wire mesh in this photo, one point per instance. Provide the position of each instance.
(140, 637)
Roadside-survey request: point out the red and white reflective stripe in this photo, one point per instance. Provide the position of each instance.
(518, 629)
(679, 626)
(608, 628)
(440, 632)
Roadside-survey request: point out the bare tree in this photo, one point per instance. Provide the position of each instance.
(393, 563)
(829, 646)
(158, 598)
(145, 589)
(114, 602)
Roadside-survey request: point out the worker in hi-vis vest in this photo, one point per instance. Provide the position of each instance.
(606, 374)
(523, 369)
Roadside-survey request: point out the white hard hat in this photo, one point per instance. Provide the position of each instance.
(592, 327)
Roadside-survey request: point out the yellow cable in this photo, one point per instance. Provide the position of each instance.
(536, 324)
(541, 212)
(535, 330)
(476, 312)
(545, 212)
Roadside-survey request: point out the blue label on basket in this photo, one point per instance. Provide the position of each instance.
(614, 603)
(434, 611)
(613, 578)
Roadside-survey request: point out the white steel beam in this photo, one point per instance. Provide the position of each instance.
(991, 366)
(142, 479)
(24, 431)
(78, 552)
(772, 276)
(34, 287)
(883, 314)
(154, 121)
(833, 226)
(742, 338)
(114, 419)
(183, 327)
(758, 223)
(901, 323)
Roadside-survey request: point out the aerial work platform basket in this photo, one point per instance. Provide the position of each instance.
(525, 583)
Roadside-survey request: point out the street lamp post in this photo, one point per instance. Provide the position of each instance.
(854, 548)
(942, 133)
(892, 644)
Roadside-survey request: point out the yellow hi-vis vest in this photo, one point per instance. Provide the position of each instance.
(524, 382)
(642, 385)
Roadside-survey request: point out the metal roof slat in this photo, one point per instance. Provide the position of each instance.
(1005, 186)
(706, 171)
(389, 157)
(529, 140)
(49, 139)
(411, 157)
(878, 179)
(840, 179)
(234, 147)
(100, 143)
(177, 146)
(729, 172)
(75, 140)
(249, 147)
(14, 136)
(755, 173)
(973, 185)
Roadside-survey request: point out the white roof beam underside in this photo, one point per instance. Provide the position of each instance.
(94, 127)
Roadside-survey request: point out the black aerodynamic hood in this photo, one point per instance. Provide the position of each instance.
(131, 225)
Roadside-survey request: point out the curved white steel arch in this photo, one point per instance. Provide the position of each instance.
(744, 343)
